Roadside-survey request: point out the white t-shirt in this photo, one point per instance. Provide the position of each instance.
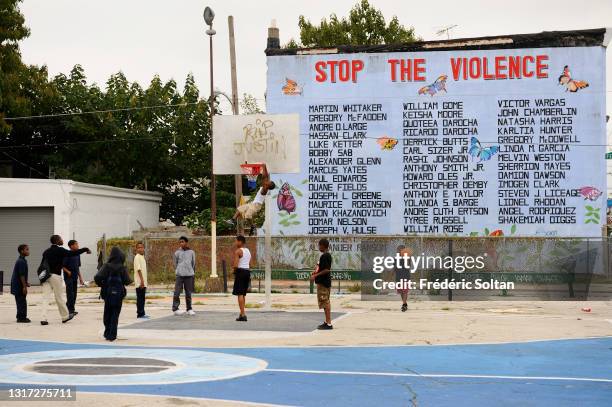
(140, 264)
(245, 261)
(259, 198)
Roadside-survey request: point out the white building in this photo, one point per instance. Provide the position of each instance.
(31, 210)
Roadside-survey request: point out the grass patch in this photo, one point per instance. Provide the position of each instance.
(446, 309)
(252, 305)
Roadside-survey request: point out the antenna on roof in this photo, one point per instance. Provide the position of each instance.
(446, 30)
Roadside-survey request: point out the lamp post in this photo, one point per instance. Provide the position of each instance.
(209, 16)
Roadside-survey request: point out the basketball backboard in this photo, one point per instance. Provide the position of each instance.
(272, 139)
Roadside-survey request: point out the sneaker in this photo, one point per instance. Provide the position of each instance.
(70, 316)
(190, 312)
(179, 312)
(44, 323)
(75, 312)
(24, 320)
(404, 307)
(241, 318)
(324, 326)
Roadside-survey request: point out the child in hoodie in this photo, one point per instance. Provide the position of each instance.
(112, 277)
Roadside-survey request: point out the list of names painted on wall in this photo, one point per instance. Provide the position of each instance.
(497, 142)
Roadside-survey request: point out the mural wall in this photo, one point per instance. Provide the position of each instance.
(455, 143)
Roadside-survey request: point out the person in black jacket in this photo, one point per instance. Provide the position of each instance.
(112, 278)
(55, 256)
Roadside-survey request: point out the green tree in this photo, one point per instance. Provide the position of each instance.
(152, 139)
(249, 105)
(365, 25)
(12, 30)
(126, 135)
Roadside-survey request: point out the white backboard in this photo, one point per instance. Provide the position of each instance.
(272, 139)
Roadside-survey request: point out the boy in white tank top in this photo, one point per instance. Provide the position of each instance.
(242, 274)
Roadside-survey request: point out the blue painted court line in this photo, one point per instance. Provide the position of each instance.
(555, 373)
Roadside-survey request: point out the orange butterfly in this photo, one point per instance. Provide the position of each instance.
(572, 85)
(386, 143)
(292, 88)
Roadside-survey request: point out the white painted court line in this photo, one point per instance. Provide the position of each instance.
(433, 375)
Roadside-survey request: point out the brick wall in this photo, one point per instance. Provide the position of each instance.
(159, 251)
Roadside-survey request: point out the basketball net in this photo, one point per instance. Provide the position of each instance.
(251, 171)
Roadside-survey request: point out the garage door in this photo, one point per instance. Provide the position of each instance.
(32, 226)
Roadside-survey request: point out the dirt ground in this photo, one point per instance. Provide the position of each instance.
(365, 323)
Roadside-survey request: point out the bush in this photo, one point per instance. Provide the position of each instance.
(201, 221)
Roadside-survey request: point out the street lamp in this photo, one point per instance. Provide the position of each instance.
(209, 16)
(219, 92)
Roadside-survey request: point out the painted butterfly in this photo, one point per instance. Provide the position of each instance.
(570, 84)
(386, 143)
(285, 199)
(482, 153)
(438, 85)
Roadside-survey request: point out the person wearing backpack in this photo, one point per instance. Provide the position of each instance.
(112, 278)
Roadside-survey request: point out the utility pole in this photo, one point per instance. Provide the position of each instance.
(209, 16)
(232, 46)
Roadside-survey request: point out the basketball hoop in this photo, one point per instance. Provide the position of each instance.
(251, 171)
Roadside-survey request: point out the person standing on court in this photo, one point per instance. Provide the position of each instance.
(402, 275)
(184, 263)
(54, 257)
(19, 283)
(242, 274)
(322, 277)
(112, 278)
(72, 276)
(140, 280)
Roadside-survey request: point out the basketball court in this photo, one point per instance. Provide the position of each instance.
(456, 354)
(561, 373)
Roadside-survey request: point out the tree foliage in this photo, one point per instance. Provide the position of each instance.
(13, 99)
(365, 25)
(123, 134)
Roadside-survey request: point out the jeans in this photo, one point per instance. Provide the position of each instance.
(71, 293)
(140, 301)
(182, 282)
(111, 320)
(22, 306)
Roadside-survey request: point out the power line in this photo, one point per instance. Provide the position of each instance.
(126, 109)
(81, 142)
(24, 164)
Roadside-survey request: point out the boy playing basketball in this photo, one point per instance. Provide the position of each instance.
(250, 209)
